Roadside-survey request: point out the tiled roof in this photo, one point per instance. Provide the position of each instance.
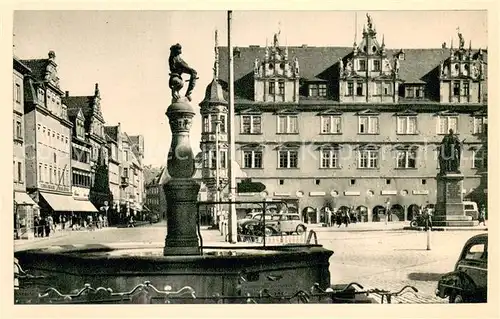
(73, 113)
(318, 63)
(111, 132)
(38, 68)
(418, 63)
(79, 102)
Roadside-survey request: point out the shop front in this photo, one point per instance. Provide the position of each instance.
(24, 210)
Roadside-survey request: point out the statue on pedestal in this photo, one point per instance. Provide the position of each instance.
(450, 153)
(177, 68)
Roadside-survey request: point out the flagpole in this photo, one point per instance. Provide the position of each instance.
(232, 231)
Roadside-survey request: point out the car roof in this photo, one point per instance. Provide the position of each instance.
(481, 238)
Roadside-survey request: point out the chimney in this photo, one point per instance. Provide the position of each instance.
(67, 93)
(443, 46)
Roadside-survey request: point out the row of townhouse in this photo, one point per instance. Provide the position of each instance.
(64, 162)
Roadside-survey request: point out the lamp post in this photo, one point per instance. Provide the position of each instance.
(218, 122)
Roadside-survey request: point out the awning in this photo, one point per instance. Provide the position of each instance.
(21, 198)
(60, 202)
(84, 206)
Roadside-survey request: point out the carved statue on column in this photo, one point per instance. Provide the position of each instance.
(177, 67)
(341, 67)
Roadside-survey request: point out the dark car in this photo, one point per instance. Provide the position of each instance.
(469, 281)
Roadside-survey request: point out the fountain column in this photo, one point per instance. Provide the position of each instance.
(181, 191)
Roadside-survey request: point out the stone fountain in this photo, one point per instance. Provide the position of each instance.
(181, 262)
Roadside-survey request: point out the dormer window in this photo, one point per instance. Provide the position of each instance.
(272, 87)
(281, 87)
(317, 89)
(414, 92)
(362, 65)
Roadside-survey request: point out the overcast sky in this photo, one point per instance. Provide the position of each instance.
(126, 52)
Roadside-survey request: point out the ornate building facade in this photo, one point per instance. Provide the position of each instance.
(355, 126)
(90, 107)
(47, 139)
(23, 204)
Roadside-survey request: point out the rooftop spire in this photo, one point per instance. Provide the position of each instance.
(96, 92)
(216, 50)
(355, 28)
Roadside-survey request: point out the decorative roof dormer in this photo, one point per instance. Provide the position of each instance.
(276, 77)
(461, 75)
(368, 74)
(463, 63)
(51, 70)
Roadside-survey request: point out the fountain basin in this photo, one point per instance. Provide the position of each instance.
(227, 271)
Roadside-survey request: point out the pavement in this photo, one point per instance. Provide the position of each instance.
(389, 258)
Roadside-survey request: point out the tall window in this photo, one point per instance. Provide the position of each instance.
(251, 124)
(359, 89)
(479, 159)
(17, 93)
(350, 88)
(419, 92)
(20, 172)
(376, 65)
(406, 158)
(362, 65)
(465, 89)
(322, 90)
(272, 87)
(329, 158)
(456, 88)
(480, 124)
(407, 124)
(368, 159)
(40, 179)
(288, 124)
(410, 92)
(330, 124)
(288, 159)
(446, 123)
(125, 152)
(206, 124)
(368, 125)
(19, 129)
(222, 118)
(281, 87)
(252, 159)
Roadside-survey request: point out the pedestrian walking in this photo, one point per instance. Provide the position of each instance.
(387, 210)
(328, 214)
(338, 218)
(50, 223)
(428, 216)
(46, 226)
(482, 215)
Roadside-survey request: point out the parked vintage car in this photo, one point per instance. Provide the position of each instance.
(469, 281)
(250, 224)
(287, 223)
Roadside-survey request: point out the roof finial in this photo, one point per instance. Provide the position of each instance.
(370, 22)
(216, 61)
(355, 28)
(460, 39)
(96, 92)
(52, 55)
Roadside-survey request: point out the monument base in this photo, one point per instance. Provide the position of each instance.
(182, 237)
(449, 206)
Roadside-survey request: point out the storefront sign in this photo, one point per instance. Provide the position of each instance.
(421, 192)
(351, 193)
(388, 192)
(317, 194)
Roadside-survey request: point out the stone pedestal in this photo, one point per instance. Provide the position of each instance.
(182, 237)
(449, 204)
(181, 191)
